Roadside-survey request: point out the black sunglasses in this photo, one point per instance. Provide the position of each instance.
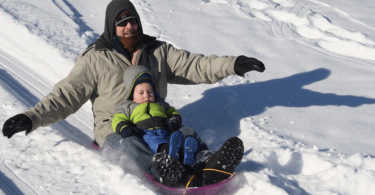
(125, 22)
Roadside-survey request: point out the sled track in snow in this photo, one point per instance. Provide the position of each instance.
(28, 88)
(76, 17)
(8, 184)
(287, 21)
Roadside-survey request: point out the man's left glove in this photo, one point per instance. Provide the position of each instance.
(174, 123)
(244, 64)
(16, 124)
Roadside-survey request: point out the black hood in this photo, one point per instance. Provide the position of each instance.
(114, 8)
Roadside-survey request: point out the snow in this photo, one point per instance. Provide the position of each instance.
(306, 122)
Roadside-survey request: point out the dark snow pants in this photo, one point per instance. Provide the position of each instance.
(134, 151)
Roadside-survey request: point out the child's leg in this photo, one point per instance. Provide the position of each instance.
(153, 139)
(202, 152)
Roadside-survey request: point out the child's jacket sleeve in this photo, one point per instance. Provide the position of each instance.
(121, 119)
(172, 111)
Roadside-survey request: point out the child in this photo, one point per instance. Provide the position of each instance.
(146, 114)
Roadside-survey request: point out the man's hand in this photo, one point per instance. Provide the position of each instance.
(174, 123)
(128, 131)
(244, 64)
(17, 124)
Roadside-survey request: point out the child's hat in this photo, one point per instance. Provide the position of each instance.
(144, 78)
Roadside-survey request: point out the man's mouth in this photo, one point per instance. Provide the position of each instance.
(129, 33)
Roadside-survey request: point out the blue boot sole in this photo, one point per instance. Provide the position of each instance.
(190, 149)
(175, 144)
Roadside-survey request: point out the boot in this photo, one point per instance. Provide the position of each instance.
(189, 150)
(221, 165)
(175, 143)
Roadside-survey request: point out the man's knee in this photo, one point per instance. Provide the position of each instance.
(187, 131)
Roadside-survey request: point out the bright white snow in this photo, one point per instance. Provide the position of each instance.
(307, 122)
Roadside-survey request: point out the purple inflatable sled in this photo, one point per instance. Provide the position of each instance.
(226, 187)
(229, 186)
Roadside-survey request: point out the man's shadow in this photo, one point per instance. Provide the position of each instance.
(219, 112)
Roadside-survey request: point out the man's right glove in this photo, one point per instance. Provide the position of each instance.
(244, 64)
(16, 124)
(128, 131)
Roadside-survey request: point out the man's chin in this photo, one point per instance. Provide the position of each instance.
(126, 36)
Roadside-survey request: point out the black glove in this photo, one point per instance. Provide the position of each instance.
(17, 124)
(174, 123)
(244, 64)
(128, 131)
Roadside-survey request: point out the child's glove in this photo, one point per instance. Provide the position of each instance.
(174, 123)
(17, 124)
(128, 131)
(244, 64)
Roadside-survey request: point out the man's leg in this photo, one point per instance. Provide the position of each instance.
(218, 167)
(134, 147)
(115, 147)
(223, 163)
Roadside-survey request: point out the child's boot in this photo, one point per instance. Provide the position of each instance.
(189, 150)
(175, 143)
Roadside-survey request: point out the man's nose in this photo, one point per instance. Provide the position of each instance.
(128, 25)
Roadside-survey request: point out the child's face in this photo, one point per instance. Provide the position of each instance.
(143, 93)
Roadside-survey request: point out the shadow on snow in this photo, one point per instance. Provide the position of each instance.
(77, 18)
(7, 186)
(222, 108)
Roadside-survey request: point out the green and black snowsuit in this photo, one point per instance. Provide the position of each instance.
(150, 117)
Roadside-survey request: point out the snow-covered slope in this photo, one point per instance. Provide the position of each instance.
(306, 122)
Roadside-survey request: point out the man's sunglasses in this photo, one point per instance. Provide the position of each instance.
(125, 22)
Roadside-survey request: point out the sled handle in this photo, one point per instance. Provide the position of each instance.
(192, 177)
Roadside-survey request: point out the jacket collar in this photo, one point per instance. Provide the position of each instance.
(147, 41)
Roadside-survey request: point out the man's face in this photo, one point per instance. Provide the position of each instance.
(143, 93)
(127, 29)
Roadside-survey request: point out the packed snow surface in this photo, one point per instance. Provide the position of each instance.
(307, 122)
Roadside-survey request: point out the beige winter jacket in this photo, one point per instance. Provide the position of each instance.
(98, 76)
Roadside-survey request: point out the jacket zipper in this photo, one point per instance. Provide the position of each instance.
(152, 118)
(140, 53)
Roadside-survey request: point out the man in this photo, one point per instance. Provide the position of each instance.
(97, 76)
